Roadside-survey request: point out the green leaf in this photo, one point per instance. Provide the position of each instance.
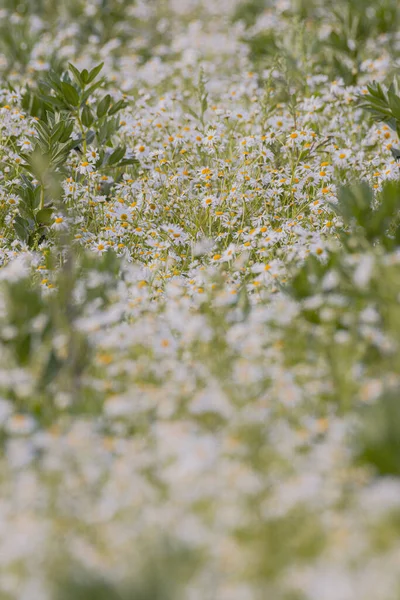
(29, 201)
(117, 155)
(376, 91)
(380, 108)
(21, 227)
(128, 161)
(51, 102)
(77, 76)
(53, 82)
(355, 202)
(44, 216)
(94, 72)
(376, 102)
(87, 116)
(57, 132)
(395, 153)
(394, 103)
(51, 369)
(90, 135)
(191, 112)
(106, 131)
(43, 130)
(70, 94)
(117, 106)
(92, 88)
(23, 348)
(103, 106)
(67, 132)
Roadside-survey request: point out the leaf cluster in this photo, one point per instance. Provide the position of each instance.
(373, 219)
(384, 105)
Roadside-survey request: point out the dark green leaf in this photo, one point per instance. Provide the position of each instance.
(117, 106)
(67, 132)
(395, 153)
(21, 227)
(51, 369)
(94, 72)
(57, 132)
(44, 216)
(117, 155)
(103, 106)
(90, 135)
(394, 103)
(70, 94)
(92, 88)
(128, 161)
(77, 76)
(87, 116)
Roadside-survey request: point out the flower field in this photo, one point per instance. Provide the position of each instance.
(199, 300)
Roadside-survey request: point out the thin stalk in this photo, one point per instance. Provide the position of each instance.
(41, 205)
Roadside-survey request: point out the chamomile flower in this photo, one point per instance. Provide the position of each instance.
(86, 167)
(60, 223)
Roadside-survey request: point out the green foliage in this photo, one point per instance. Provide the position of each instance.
(162, 574)
(63, 107)
(188, 339)
(378, 438)
(376, 219)
(262, 46)
(300, 538)
(46, 164)
(95, 119)
(383, 103)
(249, 11)
(17, 43)
(35, 347)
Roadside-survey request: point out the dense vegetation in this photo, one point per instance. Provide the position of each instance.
(199, 300)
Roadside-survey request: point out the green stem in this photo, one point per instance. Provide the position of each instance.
(41, 205)
(81, 127)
